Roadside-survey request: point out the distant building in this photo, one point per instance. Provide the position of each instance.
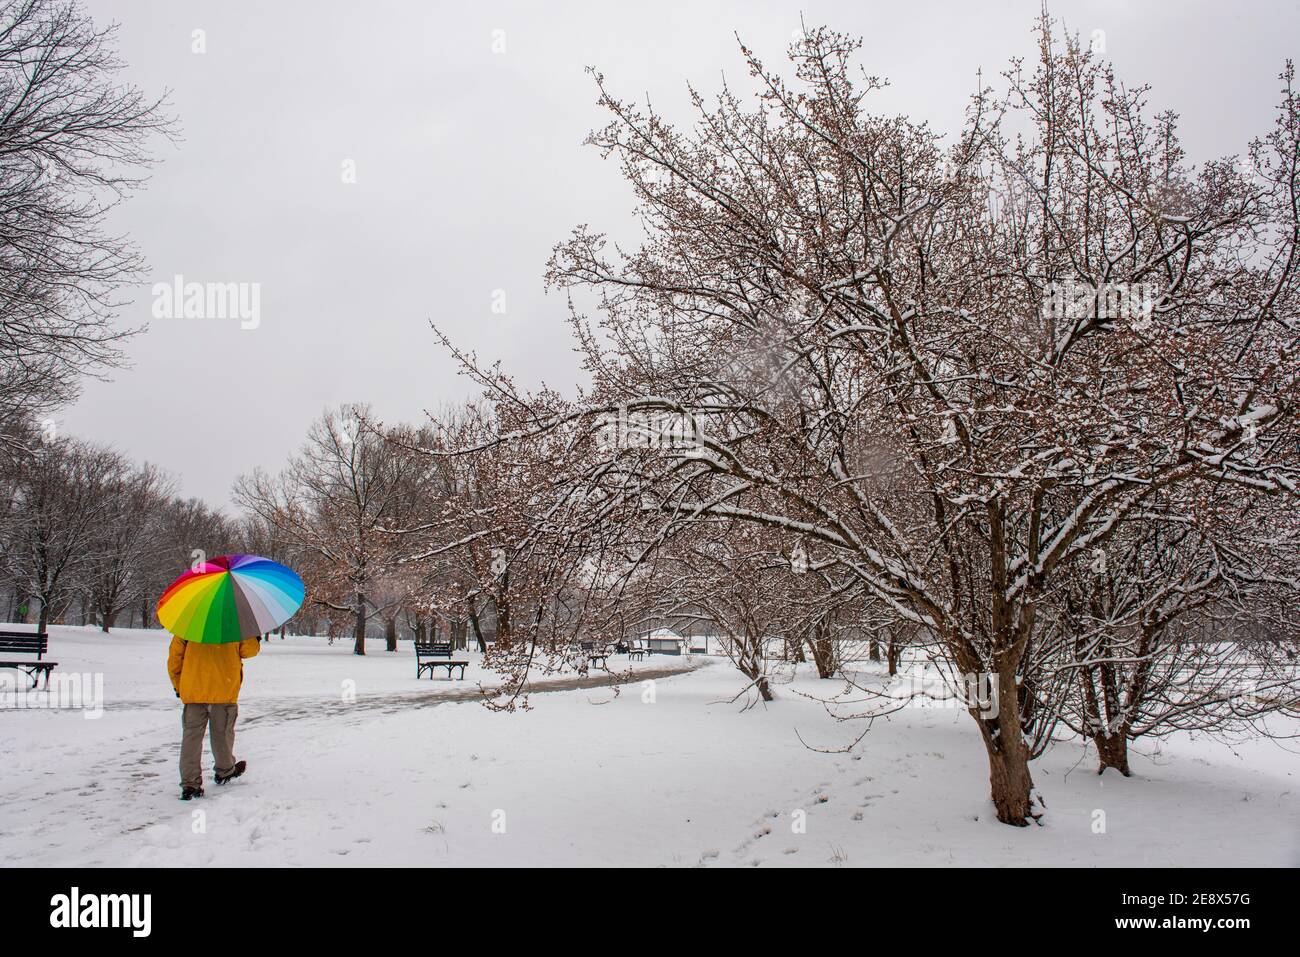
(707, 644)
(665, 641)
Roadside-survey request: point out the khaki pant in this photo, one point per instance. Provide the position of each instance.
(220, 719)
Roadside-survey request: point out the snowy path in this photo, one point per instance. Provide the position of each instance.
(587, 776)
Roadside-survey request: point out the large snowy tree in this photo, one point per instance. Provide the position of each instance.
(955, 369)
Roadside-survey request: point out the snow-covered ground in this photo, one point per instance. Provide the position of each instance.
(351, 762)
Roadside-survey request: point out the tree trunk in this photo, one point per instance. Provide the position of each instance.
(43, 621)
(1112, 752)
(478, 632)
(390, 633)
(359, 639)
(502, 608)
(750, 663)
(823, 652)
(107, 620)
(1010, 782)
(894, 652)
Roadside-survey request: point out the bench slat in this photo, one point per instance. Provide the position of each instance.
(435, 648)
(28, 644)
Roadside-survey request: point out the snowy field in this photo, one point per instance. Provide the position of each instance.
(351, 762)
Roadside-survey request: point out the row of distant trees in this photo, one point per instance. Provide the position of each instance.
(384, 534)
(89, 537)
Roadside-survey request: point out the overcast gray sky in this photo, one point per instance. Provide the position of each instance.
(469, 167)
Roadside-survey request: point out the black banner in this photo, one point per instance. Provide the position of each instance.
(189, 907)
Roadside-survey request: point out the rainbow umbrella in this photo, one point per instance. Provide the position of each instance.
(230, 598)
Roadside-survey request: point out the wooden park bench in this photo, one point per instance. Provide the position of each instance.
(633, 651)
(28, 643)
(594, 654)
(436, 654)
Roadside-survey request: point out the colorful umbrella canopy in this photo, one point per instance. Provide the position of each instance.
(230, 598)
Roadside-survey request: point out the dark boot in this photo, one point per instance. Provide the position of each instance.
(189, 794)
(239, 768)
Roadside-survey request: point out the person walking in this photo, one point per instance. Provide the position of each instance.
(207, 679)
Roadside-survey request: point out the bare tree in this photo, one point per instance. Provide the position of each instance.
(127, 534)
(1170, 631)
(335, 502)
(188, 530)
(63, 503)
(71, 146)
(507, 536)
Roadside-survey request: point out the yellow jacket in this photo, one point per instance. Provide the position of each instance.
(209, 674)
